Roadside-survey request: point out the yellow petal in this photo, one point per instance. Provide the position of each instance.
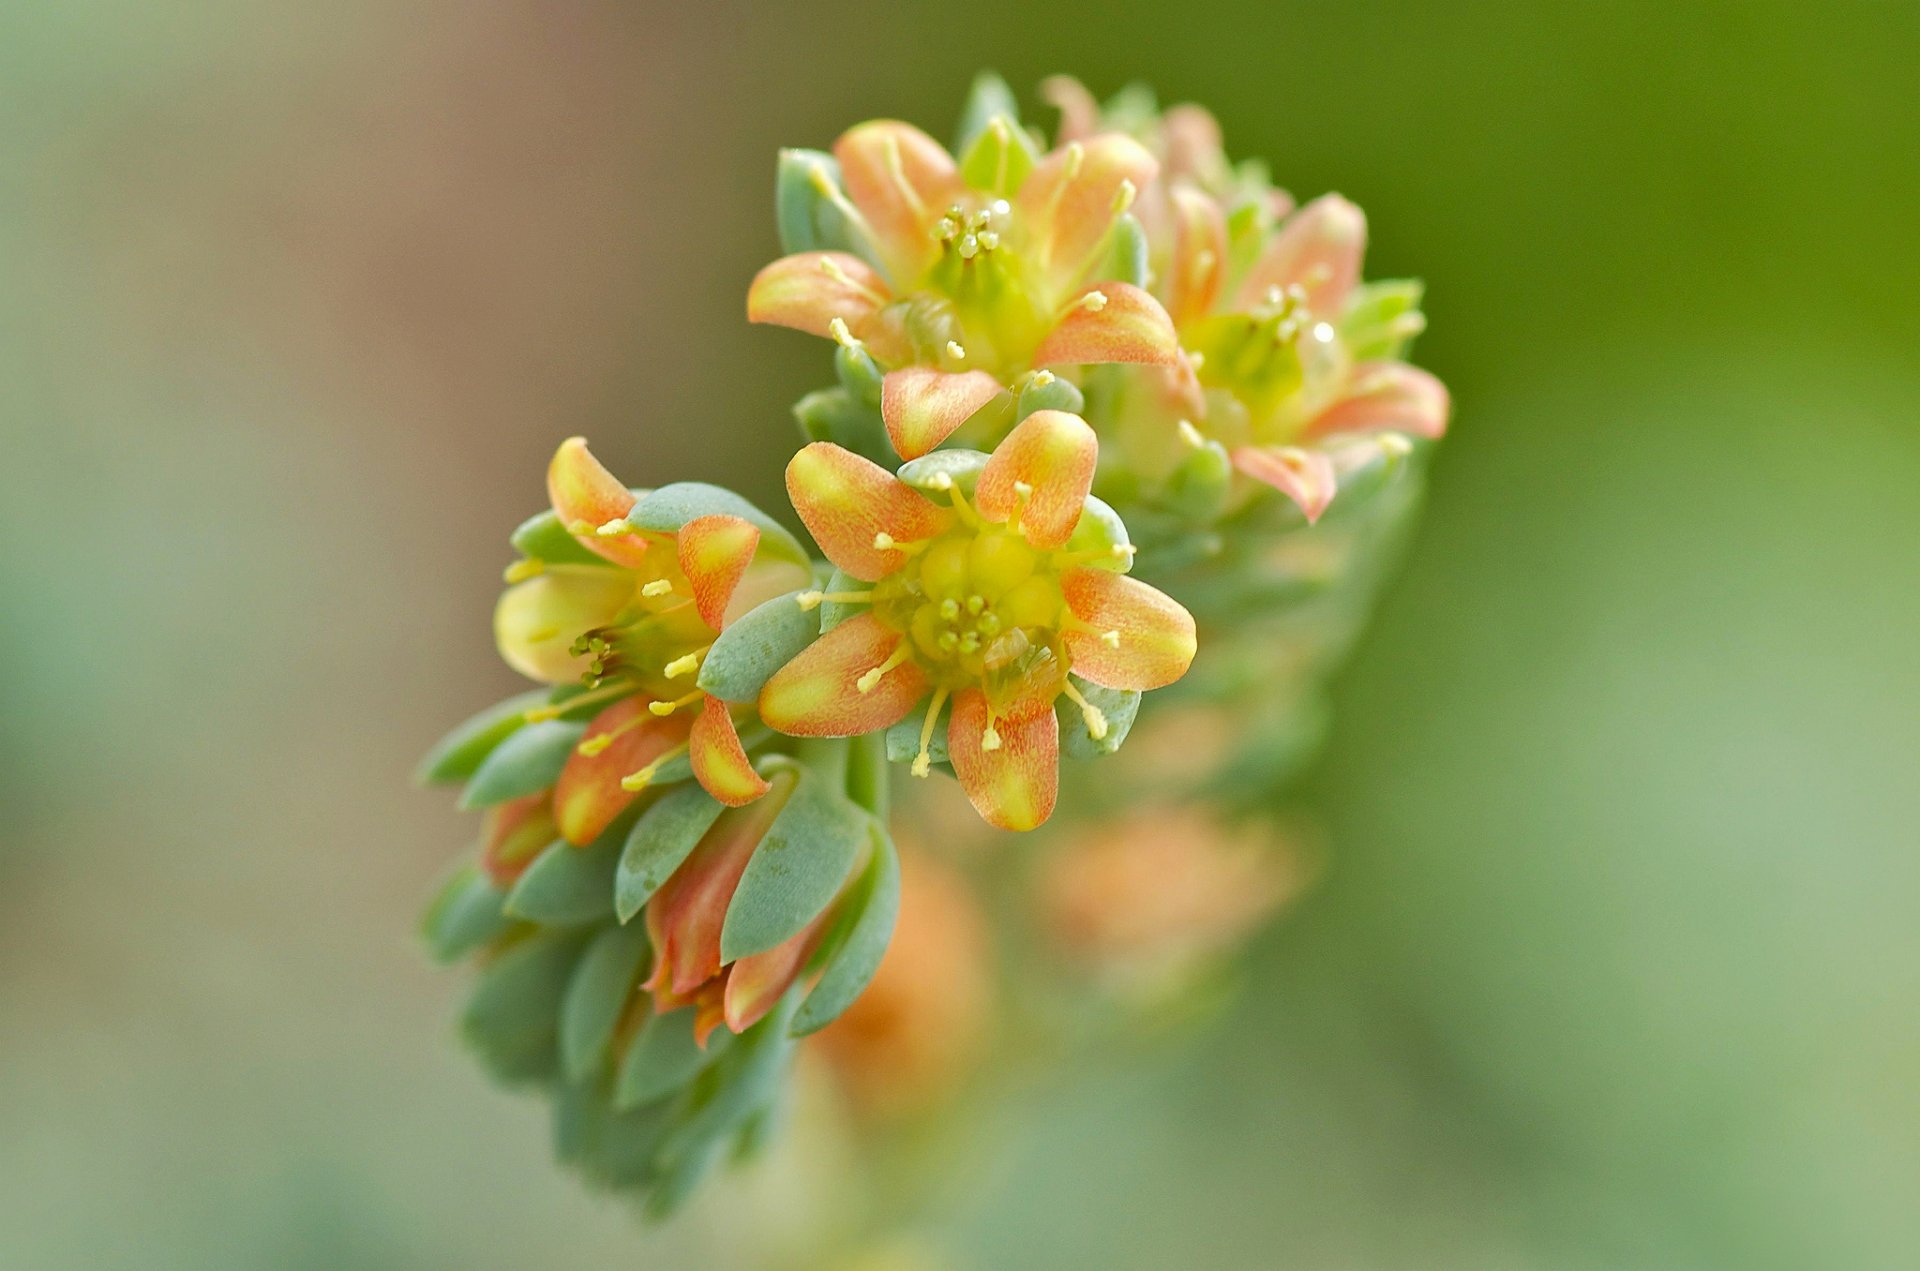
(1129, 635)
(818, 694)
(1040, 476)
(714, 554)
(809, 290)
(1199, 255)
(849, 503)
(516, 832)
(1111, 322)
(1014, 784)
(902, 181)
(537, 621)
(720, 762)
(922, 406)
(586, 496)
(1072, 197)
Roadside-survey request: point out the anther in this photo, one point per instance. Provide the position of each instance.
(841, 335)
(663, 709)
(615, 528)
(975, 603)
(685, 665)
(956, 351)
(812, 599)
(949, 609)
(1042, 378)
(990, 739)
(1092, 302)
(1123, 196)
(869, 680)
(1190, 434)
(923, 761)
(658, 587)
(1096, 719)
(1110, 638)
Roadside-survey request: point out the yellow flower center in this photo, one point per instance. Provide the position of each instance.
(1276, 360)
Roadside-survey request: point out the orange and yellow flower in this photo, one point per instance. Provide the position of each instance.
(969, 277)
(630, 611)
(977, 595)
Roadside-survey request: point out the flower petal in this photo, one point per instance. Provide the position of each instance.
(1111, 322)
(923, 406)
(755, 983)
(714, 554)
(1012, 786)
(685, 916)
(1135, 637)
(1194, 146)
(847, 502)
(1199, 254)
(720, 762)
(1079, 110)
(588, 795)
(1071, 198)
(1040, 476)
(1305, 476)
(809, 290)
(1319, 249)
(586, 496)
(902, 181)
(818, 693)
(1387, 397)
(536, 622)
(515, 832)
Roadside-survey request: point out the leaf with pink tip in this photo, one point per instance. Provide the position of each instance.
(1128, 635)
(1387, 397)
(586, 496)
(1318, 249)
(809, 290)
(1014, 785)
(1111, 322)
(902, 181)
(1305, 476)
(818, 693)
(1040, 474)
(847, 502)
(922, 406)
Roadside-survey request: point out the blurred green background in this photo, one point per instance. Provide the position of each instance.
(1617, 964)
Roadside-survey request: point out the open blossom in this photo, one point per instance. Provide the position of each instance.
(630, 612)
(981, 601)
(971, 274)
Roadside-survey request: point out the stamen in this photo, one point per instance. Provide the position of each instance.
(1041, 379)
(885, 542)
(923, 762)
(829, 190)
(644, 777)
(600, 741)
(956, 351)
(975, 603)
(990, 739)
(842, 336)
(541, 714)
(663, 709)
(1190, 434)
(618, 526)
(811, 600)
(658, 587)
(521, 570)
(1092, 302)
(1110, 638)
(1123, 196)
(831, 268)
(869, 680)
(1024, 489)
(1095, 718)
(897, 171)
(685, 665)
(968, 517)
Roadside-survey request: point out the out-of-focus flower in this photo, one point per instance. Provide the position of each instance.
(1164, 888)
(967, 278)
(912, 1036)
(989, 602)
(630, 611)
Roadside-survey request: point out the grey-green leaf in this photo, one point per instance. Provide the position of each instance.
(542, 537)
(465, 915)
(664, 836)
(663, 1057)
(1127, 257)
(456, 756)
(807, 219)
(602, 987)
(755, 645)
(568, 884)
(527, 760)
(903, 739)
(511, 1017)
(1118, 707)
(872, 911)
(1055, 394)
(837, 415)
(988, 97)
(797, 870)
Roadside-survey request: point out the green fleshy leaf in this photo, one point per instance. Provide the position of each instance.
(1120, 706)
(1055, 394)
(457, 755)
(663, 1057)
(511, 1018)
(1382, 319)
(903, 739)
(836, 415)
(1199, 486)
(835, 612)
(857, 947)
(929, 471)
(755, 645)
(678, 1177)
(807, 219)
(610, 1147)
(1101, 531)
(744, 1083)
(567, 884)
(1127, 254)
(602, 988)
(542, 537)
(527, 760)
(664, 836)
(796, 871)
(999, 159)
(989, 97)
(464, 916)
(1134, 109)
(1247, 227)
(859, 375)
(671, 506)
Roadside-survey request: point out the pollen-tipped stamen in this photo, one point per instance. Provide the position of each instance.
(870, 679)
(885, 542)
(643, 778)
(554, 710)
(923, 761)
(1096, 719)
(658, 587)
(811, 600)
(663, 709)
(687, 664)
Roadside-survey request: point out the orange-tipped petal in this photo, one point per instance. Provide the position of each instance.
(714, 554)
(1194, 146)
(1074, 193)
(1319, 249)
(586, 496)
(685, 916)
(1305, 476)
(622, 739)
(902, 181)
(536, 621)
(818, 693)
(850, 504)
(720, 762)
(809, 290)
(1130, 635)
(1079, 110)
(1014, 784)
(1040, 476)
(1199, 255)
(756, 983)
(516, 832)
(1387, 397)
(922, 406)
(1111, 322)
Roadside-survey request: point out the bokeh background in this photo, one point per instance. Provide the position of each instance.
(1616, 965)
